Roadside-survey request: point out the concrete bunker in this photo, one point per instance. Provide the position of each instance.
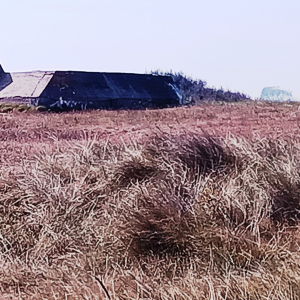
(66, 90)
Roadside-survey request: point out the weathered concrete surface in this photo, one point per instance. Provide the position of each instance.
(84, 90)
(27, 84)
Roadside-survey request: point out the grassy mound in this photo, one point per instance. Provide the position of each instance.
(176, 217)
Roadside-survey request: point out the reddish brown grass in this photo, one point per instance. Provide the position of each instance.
(184, 203)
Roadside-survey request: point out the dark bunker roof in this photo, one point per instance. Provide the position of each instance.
(110, 85)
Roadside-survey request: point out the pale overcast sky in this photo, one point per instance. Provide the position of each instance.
(242, 45)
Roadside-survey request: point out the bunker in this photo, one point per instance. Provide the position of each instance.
(67, 90)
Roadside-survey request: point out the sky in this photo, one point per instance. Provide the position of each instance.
(240, 45)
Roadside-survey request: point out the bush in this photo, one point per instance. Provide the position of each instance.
(195, 91)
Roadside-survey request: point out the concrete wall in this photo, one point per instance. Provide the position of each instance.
(77, 90)
(20, 100)
(5, 79)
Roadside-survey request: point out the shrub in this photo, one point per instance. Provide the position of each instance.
(195, 91)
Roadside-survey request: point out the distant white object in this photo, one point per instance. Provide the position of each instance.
(274, 93)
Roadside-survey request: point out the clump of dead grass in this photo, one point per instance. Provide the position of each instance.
(189, 216)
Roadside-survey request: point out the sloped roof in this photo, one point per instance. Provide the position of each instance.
(26, 84)
(104, 86)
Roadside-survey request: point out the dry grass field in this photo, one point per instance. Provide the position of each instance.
(185, 203)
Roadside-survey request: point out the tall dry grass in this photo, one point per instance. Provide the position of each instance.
(177, 214)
